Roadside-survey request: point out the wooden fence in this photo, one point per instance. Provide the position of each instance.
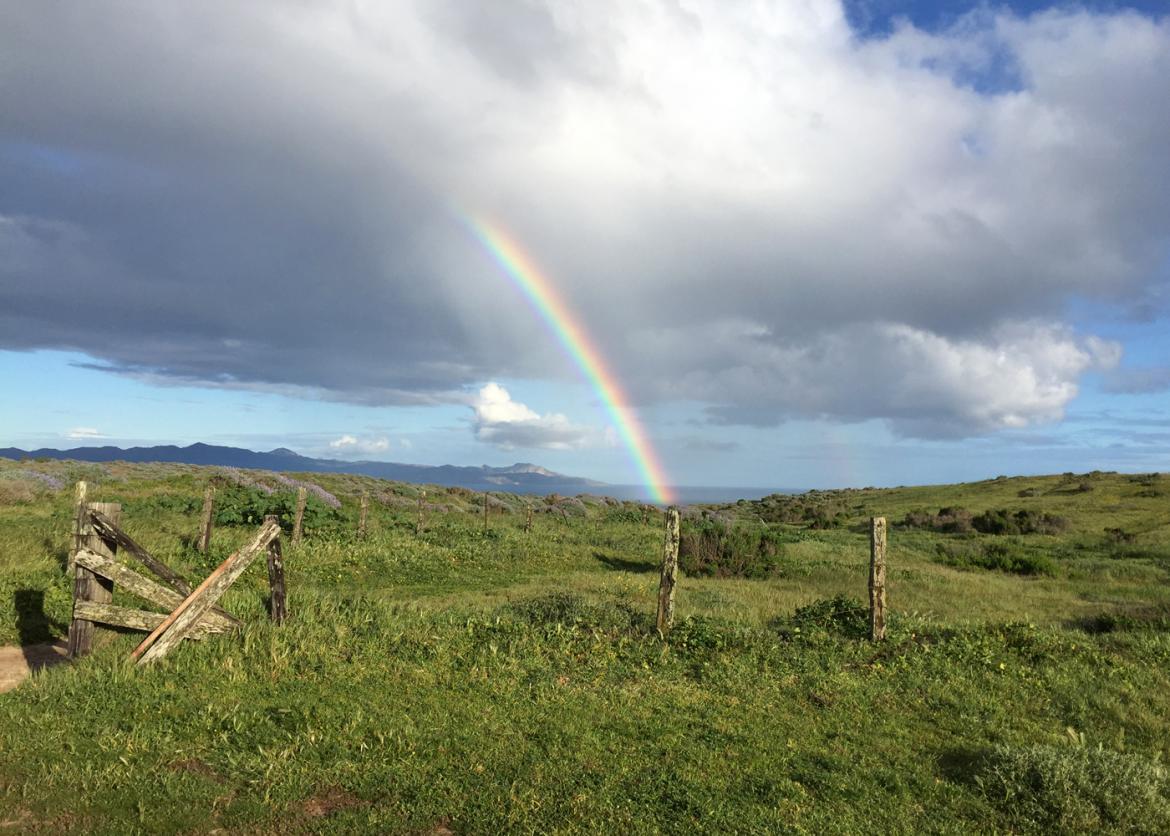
(192, 613)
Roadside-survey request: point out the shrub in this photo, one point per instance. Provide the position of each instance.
(998, 557)
(239, 505)
(1075, 789)
(1120, 536)
(839, 614)
(1002, 521)
(570, 609)
(950, 520)
(713, 548)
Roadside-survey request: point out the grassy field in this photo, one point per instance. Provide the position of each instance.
(484, 681)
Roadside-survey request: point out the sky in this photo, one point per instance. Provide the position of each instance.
(809, 244)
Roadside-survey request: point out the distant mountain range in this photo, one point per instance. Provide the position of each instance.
(521, 477)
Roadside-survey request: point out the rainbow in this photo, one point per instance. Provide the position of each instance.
(571, 334)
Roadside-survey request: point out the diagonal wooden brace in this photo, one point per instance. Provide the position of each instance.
(180, 622)
(108, 529)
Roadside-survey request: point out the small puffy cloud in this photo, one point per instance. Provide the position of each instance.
(351, 444)
(83, 433)
(508, 424)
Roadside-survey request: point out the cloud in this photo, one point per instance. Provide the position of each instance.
(699, 444)
(748, 200)
(81, 433)
(925, 384)
(351, 445)
(508, 424)
(1138, 381)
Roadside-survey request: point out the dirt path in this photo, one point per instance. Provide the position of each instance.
(16, 663)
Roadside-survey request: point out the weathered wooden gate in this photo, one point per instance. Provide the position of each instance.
(192, 612)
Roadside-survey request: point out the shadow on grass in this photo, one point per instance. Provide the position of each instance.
(33, 625)
(36, 630)
(621, 564)
(962, 765)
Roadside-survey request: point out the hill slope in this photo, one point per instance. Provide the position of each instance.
(521, 477)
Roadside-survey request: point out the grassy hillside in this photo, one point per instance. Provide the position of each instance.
(484, 681)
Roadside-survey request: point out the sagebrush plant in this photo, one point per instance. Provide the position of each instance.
(711, 547)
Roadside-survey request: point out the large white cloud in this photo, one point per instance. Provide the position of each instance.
(509, 424)
(745, 204)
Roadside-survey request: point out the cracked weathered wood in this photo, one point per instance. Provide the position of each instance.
(669, 576)
(142, 587)
(877, 579)
(88, 586)
(277, 606)
(298, 522)
(365, 510)
(207, 520)
(528, 520)
(418, 525)
(80, 510)
(196, 605)
(135, 619)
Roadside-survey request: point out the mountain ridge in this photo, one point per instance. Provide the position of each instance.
(520, 477)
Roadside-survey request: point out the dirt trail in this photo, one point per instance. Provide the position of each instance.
(16, 663)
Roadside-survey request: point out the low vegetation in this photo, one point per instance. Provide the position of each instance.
(482, 679)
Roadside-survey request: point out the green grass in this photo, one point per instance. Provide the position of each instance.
(501, 681)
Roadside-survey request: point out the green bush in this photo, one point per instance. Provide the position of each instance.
(238, 505)
(997, 557)
(947, 521)
(712, 548)
(1075, 789)
(1002, 521)
(840, 614)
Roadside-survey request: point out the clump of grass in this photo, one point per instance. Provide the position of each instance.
(1075, 789)
(572, 610)
(712, 548)
(996, 557)
(840, 615)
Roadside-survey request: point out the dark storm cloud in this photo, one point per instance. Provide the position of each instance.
(747, 208)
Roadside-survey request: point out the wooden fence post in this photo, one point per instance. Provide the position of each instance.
(300, 517)
(79, 522)
(88, 586)
(277, 607)
(877, 579)
(669, 573)
(365, 510)
(528, 519)
(204, 542)
(418, 525)
(485, 512)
